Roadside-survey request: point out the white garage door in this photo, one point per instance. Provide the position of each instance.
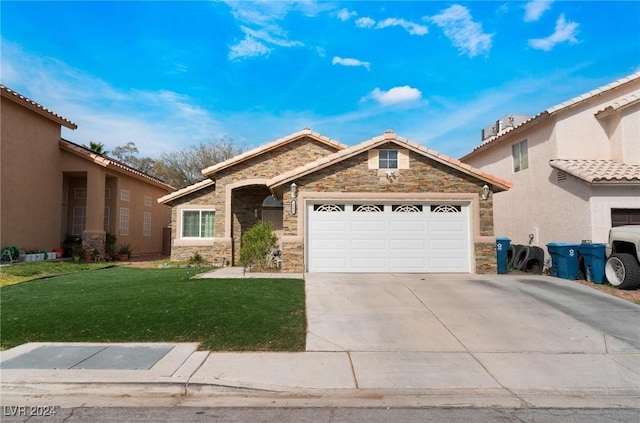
(388, 237)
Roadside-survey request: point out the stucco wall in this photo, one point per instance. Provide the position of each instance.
(30, 178)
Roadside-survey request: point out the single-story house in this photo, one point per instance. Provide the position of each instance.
(575, 167)
(385, 205)
(52, 188)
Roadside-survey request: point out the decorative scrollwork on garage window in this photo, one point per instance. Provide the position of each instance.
(328, 208)
(446, 208)
(406, 208)
(368, 208)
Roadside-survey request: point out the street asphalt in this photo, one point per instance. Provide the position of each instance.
(373, 340)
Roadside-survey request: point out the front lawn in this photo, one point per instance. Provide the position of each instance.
(156, 305)
(26, 271)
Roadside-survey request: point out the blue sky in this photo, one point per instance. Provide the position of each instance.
(167, 75)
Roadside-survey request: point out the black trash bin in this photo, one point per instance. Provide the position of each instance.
(502, 248)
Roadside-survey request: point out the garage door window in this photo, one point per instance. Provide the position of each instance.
(328, 208)
(406, 208)
(368, 208)
(446, 208)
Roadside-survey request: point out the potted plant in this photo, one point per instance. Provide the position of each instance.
(76, 252)
(124, 252)
(110, 246)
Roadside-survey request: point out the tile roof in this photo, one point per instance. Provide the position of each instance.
(630, 100)
(211, 170)
(38, 108)
(599, 171)
(185, 191)
(388, 136)
(555, 109)
(105, 161)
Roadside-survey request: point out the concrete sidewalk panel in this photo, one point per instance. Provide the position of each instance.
(53, 357)
(402, 370)
(631, 361)
(559, 371)
(277, 371)
(136, 357)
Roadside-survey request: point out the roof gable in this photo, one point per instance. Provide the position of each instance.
(387, 137)
(490, 142)
(38, 108)
(305, 133)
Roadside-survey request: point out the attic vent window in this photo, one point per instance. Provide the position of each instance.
(562, 176)
(388, 159)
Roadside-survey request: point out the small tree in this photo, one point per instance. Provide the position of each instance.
(257, 243)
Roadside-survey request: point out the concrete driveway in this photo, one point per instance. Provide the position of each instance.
(520, 332)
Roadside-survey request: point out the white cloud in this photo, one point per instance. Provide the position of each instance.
(395, 95)
(565, 31)
(411, 27)
(350, 62)
(467, 36)
(156, 121)
(258, 21)
(533, 10)
(248, 47)
(344, 14)
(365, 22)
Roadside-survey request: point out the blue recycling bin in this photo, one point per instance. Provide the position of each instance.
(502, 248)
(564, 259)
(594, 260)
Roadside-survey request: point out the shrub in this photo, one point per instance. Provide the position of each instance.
(196, 260)
(257, 243)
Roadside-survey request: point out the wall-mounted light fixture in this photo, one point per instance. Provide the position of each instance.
(255, 213)
(294, 195)
(485, 192)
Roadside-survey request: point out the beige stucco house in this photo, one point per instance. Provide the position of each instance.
(385, 205)
(52, 188)
(575, 167)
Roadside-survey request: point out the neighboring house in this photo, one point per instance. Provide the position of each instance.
(385, 205)
(52, 188)
(575, 168)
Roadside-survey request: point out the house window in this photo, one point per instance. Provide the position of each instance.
(387, 159)
(80, 193)
(124, 221)
(621, 217)
(146, 227)
(147, 201)
(79, 220)
(107, 193)
(107, 211)
(124, 195)
(198, 223)
(520, 156)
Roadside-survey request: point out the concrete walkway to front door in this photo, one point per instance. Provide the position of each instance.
(443, 331)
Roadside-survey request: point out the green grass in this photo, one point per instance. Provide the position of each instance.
(156, 305)
(22, 272)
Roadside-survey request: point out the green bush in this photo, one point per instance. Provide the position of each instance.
(196, 260)
(257, 243)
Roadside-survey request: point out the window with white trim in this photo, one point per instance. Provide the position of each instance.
(146, 226)
(147, 201)
(520, 155)
(387, 159)
(79, 220)
(124, 195)
(198, 223)
(124, 221)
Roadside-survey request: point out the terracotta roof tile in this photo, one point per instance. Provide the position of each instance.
(599, 171)
(185, 191)
(38, 108)
(211, 170)
(379, 140)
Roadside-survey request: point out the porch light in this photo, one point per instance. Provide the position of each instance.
(294, 190)
(485, 192)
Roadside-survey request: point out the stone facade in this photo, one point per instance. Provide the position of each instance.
(241, 188)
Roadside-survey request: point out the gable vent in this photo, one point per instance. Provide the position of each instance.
(562, 176)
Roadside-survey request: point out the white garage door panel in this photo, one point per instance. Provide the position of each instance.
(386, 238)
